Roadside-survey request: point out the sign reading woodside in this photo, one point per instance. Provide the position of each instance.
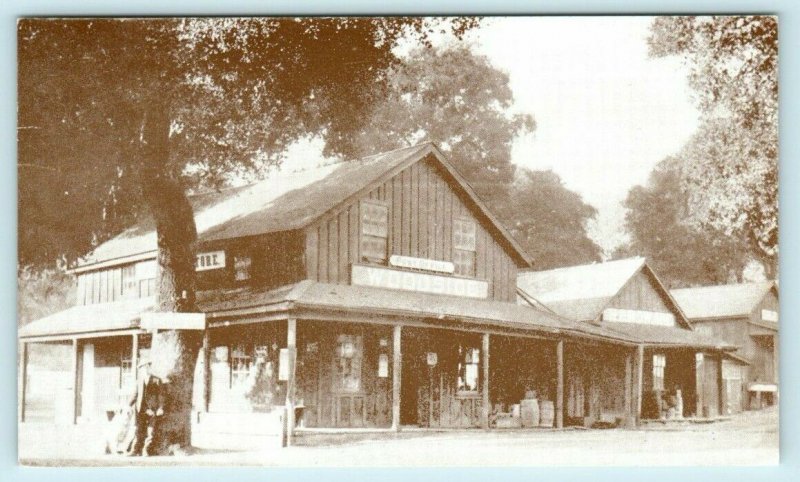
(422, 282)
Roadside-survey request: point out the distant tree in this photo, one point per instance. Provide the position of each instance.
(549, 220)
(683, 254)
(457, 99)
(122, 117)
(731, 170)
(43, 292)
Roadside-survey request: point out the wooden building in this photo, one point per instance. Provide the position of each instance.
(676, 365)
(373, 293)
(745, 315)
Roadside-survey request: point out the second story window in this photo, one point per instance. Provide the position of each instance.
(374, 231)
(241, 266)
(464, 247)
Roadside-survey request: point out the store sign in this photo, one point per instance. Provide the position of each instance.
(769, 315)
(423, 264)
(638, 316)
(210, 260)
(420, 282)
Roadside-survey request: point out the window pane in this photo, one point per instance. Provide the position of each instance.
(464, 235)
(347, 363)
(241, 266)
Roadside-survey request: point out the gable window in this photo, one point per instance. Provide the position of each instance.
(659, 362)
(241, 266)
(464, 247)
(374, 231)
(468, 362)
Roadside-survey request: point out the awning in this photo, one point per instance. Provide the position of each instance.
(310, 295)
(96, 319)
(667, 336)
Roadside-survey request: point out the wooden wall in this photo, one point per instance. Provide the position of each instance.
(105, 285)
(422, 205)
(640, 293)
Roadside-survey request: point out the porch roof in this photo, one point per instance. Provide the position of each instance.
(95, 318)
(363, 299)
(668, 336)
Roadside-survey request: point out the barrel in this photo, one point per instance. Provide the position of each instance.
(529, 412)
(546, 413)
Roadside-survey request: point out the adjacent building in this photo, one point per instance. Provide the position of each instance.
(745, 315)
(679, 364)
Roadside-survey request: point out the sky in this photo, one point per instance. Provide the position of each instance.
(606, 113)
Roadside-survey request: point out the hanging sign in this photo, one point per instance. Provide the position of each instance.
(173, 321)
(210, 260)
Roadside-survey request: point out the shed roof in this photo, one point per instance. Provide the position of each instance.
(310, 294)
(287, 201)
(722, 301)
(83, 319)
(668, 336)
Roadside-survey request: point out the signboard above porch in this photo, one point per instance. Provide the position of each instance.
(423, 264)
(422, 282)
(618, 315)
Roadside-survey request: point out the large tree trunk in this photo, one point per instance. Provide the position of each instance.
(173, 352)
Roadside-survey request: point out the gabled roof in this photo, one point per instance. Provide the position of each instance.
(722, 301)
(288, 201)
(583, 292)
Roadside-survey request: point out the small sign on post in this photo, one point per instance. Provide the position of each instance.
(433, 359)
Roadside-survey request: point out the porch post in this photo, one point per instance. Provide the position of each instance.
(206, 370)
(775, 370)
(135, 355)
(699, 373)
(723, 396)
(76, 372)
(638, 385)
(397, 366)
(485, 409)
(23, 379)
(560, 384)
(291, 344)
(628, 389)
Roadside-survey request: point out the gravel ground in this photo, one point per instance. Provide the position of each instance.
(747, 439)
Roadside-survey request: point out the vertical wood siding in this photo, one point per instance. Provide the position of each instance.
(422, 206)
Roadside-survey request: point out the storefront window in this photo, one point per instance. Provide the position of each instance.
(374, 231)
(468, 364)
(241, 363)
(349, 349)
(659, 362)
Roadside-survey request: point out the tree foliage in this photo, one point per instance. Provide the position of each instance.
(549, 220)
(731, 164)
(455, 98)
(459, 100)
(682, 253)
(230, 94)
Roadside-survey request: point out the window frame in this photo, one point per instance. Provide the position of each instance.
(659, 368)
(461, 249)
(474, 350)
(363, 236)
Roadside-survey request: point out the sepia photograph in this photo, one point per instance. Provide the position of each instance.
(397, 241)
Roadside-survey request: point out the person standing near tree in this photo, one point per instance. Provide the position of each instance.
(148, 409)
